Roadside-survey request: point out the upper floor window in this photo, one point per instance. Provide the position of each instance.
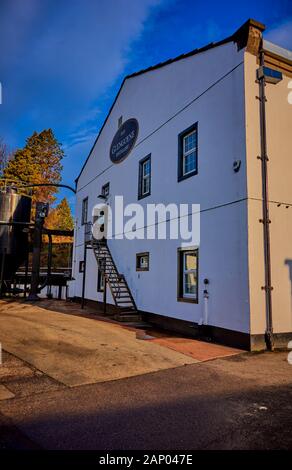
(188, 152)
(144, 177)
(105, 190)
(84, 211)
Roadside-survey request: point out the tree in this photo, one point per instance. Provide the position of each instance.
(60, 217)
(65, 215)
(38, 162)
(3, 156)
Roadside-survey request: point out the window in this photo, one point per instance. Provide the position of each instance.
(84, 211)
(105, 190)
(188, 275)
(81, 266)
(100, 281)
(144, 177)
(142, 261)
(188, 152)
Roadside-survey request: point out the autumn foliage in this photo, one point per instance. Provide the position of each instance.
(38, 162)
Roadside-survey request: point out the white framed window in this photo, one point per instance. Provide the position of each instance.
(81, 266)
(188, 275)
(188, 152)
(142, 261)
(144, 177)
(105, 190)
(84, 211)
(100, 281)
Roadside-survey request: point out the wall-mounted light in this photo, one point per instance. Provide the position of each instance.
(270, 75)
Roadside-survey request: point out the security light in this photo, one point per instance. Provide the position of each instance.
(270, 75)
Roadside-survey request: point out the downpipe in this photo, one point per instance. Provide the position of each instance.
(269, 337)
(205, 317)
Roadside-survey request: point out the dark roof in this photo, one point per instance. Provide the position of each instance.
(240, 36)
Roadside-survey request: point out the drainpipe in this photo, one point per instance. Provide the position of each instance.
(205, 317)
(83, 279)
(265, 210)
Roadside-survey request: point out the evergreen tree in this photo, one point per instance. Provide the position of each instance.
(3, 156)
(66, 219)
(38, 162)
(60, 217)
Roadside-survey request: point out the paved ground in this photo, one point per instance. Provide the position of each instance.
(78, 350)
(241, 402)
(238, 402)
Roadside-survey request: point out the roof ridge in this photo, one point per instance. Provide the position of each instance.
(185, 55)
(240, 37)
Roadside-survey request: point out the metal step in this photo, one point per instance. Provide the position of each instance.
(127, 309)
(131, 317)
(117, 282)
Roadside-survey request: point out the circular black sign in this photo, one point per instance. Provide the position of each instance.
(124, 140)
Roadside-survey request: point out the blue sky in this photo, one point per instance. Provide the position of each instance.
(62, 62)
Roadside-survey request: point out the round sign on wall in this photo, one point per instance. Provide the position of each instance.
(124, 140)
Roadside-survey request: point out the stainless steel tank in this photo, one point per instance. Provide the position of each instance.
(15, 208)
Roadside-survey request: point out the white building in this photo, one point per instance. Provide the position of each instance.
(198, 140)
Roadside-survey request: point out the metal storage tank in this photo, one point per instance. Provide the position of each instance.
(14, 207)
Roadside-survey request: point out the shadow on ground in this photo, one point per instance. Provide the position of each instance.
(201, 406)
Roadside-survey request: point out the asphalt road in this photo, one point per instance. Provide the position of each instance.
(241, 402)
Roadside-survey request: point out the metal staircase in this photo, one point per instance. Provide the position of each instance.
(117, 283)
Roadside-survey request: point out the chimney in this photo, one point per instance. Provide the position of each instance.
(249, 35)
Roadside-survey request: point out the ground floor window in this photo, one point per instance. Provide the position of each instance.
(142, 261)
(188, 275)
(81, 266)
(100, 281)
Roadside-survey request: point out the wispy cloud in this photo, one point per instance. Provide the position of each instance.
(61, 60)
(58, 58)
(281, 34)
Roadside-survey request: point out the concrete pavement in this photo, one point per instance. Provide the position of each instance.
(241, 402)
(76, 350)
(164, 398)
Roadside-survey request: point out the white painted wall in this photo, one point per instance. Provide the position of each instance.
(152, 98)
